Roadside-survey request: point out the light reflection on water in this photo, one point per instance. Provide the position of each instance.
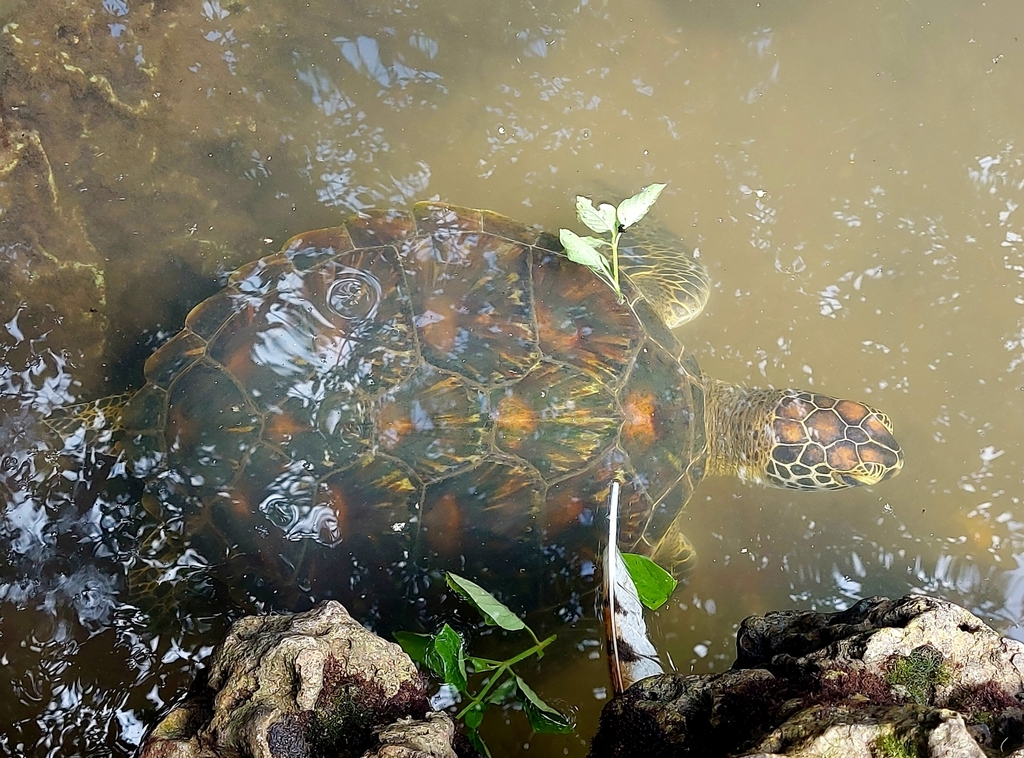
(852, 177)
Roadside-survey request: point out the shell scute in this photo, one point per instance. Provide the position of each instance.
(574, 505)
(503, 226)
(308, 249)
(473, 306)
(373, 502)
(548, 242)
(326, 436)
(281, 491)
(210, 427)
(173, 357)
(364, 337)
(375, 228)
(267, 347)
(488, 510)
(662, 428)
(332, 325)
(206, 318)
(442, 221)
(145, 453)
(434, 422)
(144, 411)
(258, 278)
(290, 506)
(579, 320)
(556, 418)
(655, 329)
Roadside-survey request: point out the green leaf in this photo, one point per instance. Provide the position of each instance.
(477, 742)
(414, 645)
(596, 242)
(600, 220)
(654, 584)
(493, 611)
(502, 692)
(482, 665)
(474, 716)
(543, 718)
(635, 208)
(446, 657)
(580, 250)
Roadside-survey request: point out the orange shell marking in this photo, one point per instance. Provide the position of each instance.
(281, 427)
(442, 525)
(393, 427)
(638, 426)
(515, 418)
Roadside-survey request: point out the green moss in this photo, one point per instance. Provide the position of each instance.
(890, 745)
(919, 673)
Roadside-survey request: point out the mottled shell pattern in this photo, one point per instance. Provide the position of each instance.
(441, 381)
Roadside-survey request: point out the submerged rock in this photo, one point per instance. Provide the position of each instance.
(303, 685)
(887, 678)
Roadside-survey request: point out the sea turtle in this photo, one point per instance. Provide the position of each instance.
(443, 384)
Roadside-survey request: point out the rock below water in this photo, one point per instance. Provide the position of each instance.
(903, 678)
(300, 686)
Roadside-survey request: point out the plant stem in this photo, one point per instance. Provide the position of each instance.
(491, 664)
(478, 699)
(532, 651)
(534, 636)
(503, 669)
(615, 262)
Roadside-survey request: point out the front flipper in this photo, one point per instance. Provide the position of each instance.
(665, 272)
(674, 552)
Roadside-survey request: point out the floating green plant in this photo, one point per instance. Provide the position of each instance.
(610, 220)
(444, 653)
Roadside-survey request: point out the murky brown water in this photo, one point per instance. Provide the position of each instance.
(851, 174)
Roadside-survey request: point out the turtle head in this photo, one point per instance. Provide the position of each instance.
(821, 443)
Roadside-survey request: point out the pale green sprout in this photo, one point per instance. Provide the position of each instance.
(611, 221)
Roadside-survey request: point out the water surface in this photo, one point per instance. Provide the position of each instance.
(851, 175)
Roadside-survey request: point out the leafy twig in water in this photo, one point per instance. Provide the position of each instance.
(444, 653)
(609, 220)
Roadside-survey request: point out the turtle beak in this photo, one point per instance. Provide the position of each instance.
(870, 473)
(852, 479)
